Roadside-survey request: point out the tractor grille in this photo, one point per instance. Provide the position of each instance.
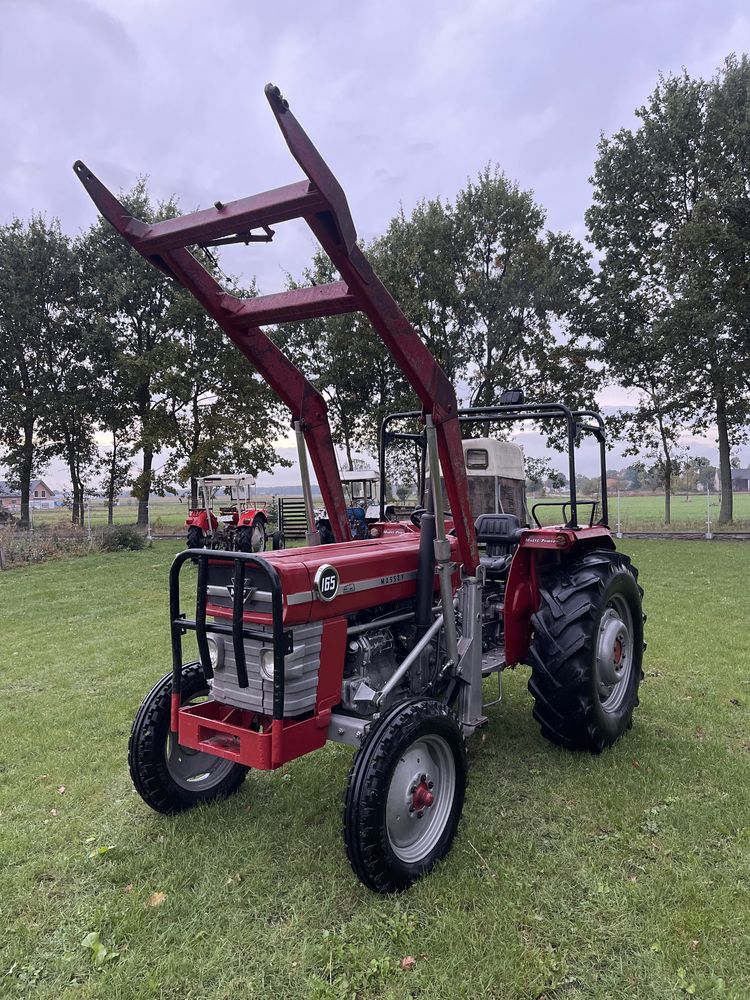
(301, 673)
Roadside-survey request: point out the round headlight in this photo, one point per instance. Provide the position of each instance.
(216, 652)
(266, 664)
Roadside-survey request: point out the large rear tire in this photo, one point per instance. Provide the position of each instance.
(405, 795)
(168, 777)
(587, 650)
(194, 537)
(252, 538)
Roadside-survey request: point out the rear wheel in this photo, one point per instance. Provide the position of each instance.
(252, 538)
(194, 537)
(405, 795)
(587, 651)
(277, 540)
(168, 777)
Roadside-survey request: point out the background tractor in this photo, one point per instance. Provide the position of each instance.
(362, 494)
(228, 516)
(381, 643)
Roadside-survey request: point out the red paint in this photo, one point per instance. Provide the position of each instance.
(321, 202)
(421, 797)
(174, 712)
(522, 587)
(225, 732)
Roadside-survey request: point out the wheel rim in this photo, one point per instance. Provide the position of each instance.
(194, 770)
(257, 538)
(614, 654)
(420, 798)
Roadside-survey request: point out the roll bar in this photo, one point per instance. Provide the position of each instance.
(509, 413)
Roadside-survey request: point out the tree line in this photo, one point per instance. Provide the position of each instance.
(96, 345)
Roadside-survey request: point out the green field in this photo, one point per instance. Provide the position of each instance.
(572, 877)
(637, 513)
(646, 513)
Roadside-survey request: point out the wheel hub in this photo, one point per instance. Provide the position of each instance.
(420, 798)
(613, 655)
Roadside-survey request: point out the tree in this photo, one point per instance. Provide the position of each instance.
(221, 414)
(117, 464)
(420, 260)
(403, 491)
(526, 293)
(347, 363)
(653, 427)
(671, 215)
(134, 300)
(38, 286)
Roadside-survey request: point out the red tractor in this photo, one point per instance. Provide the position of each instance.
(381, 643)
(228, 516)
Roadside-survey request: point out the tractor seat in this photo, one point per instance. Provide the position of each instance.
(499, 533)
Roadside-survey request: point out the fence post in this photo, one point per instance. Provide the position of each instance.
(709, 535)
(148, 523)
(619, 525)
(88, 518)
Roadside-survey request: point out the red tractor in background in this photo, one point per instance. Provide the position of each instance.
(228, 516)
(382, 643)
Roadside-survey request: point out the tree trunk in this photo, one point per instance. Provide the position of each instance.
(667, 472)
(27, 465)
(725, 467)
(144, 488)
(75, 480)
(111, 484)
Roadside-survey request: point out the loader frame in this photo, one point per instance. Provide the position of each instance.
(321, 202)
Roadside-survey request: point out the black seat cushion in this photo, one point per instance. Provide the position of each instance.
(499, 534)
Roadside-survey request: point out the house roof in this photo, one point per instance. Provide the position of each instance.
(6, 491)
(740, 474)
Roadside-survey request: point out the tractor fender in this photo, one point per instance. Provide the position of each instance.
(537, 547)
(199, 519)
(247, 517)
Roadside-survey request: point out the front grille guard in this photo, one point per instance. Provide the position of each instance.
(281, 638)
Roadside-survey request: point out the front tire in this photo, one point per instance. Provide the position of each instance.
(405, 795)
(587, 651)
(168, 777)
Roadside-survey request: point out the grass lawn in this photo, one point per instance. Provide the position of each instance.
(572, 877)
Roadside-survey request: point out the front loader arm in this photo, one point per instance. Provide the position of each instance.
(335, 232)
(240, 320)
(321, 202)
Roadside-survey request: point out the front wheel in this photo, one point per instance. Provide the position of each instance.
(587, 651)
(405, 795)
(168, 777)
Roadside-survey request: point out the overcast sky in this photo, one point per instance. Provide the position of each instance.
(405, 100)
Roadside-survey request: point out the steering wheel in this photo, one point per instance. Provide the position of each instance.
(416, 516)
